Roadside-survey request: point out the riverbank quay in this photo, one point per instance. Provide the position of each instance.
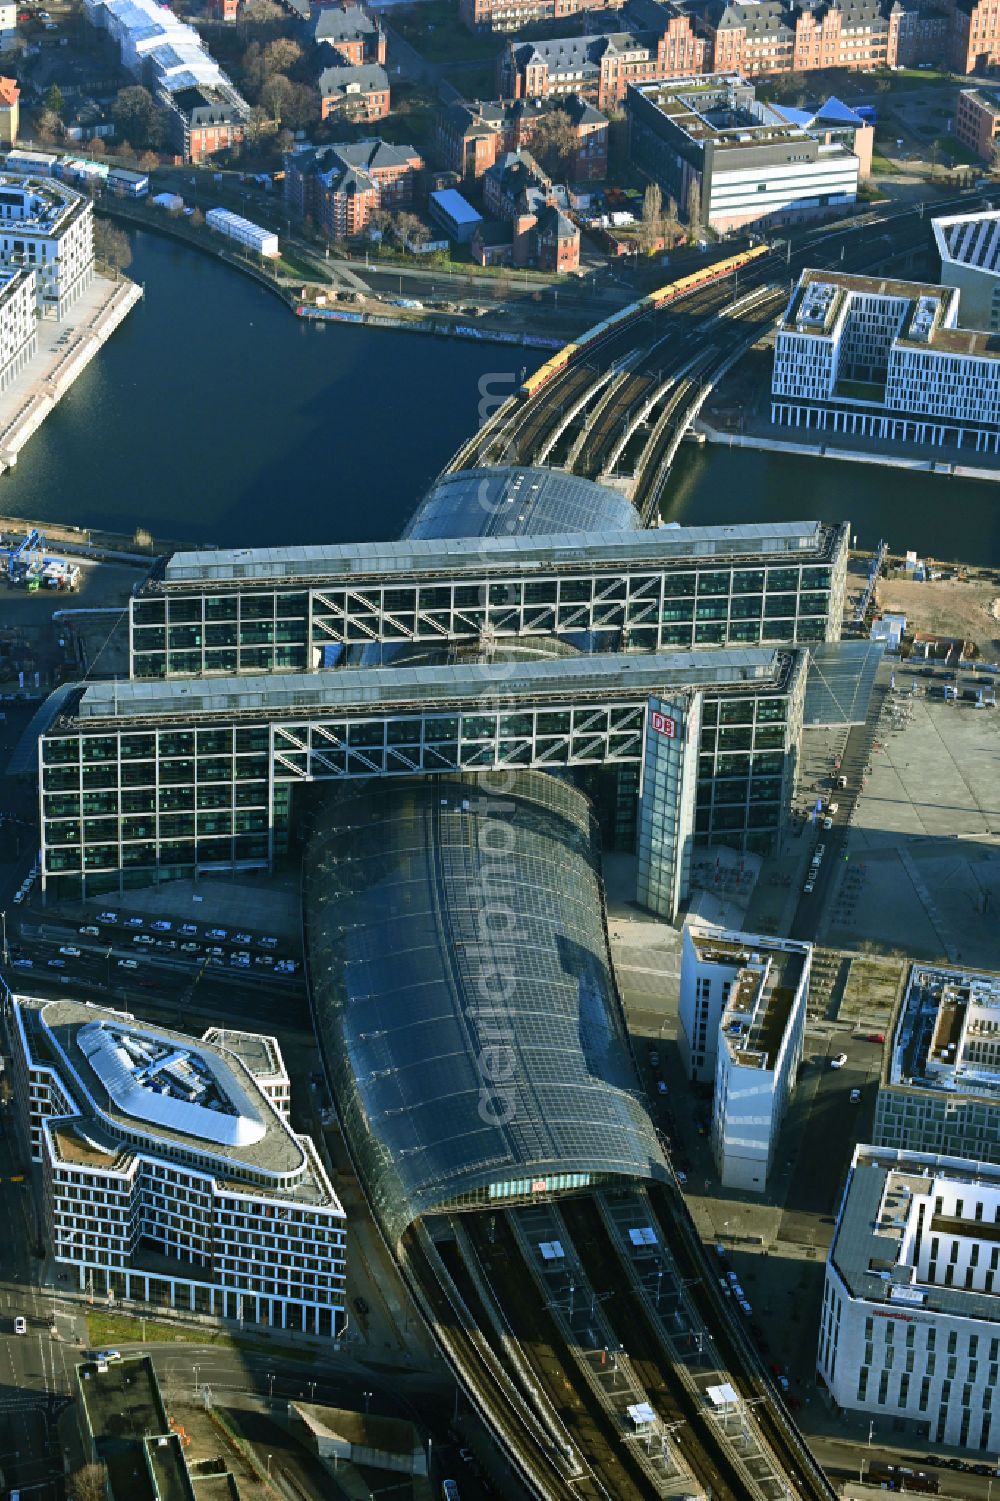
(65, 348)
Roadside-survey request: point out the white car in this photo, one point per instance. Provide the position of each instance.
(107, 917)
(20, 1324)
(127, 964)
(838, 1061)
(90, 932)
(819, 852)
(809, 887)
(833, 808)
(828, 823)
(70, 951)
(133, 922)
(855, 1097)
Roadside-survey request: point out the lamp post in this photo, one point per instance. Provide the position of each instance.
(367, 1397)
(196, 1369)
(269, 1458)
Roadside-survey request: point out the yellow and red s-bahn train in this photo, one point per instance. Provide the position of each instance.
(669, 293)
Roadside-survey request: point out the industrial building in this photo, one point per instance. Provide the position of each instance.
(743, 1017)
(170, 1173)
(886, 359)
(747, 164)
(263, 242)
(969, 249)
(207, 114)
(909, 1327)
(940, 1085)
(48, 228)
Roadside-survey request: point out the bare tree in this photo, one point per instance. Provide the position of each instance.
(96, 147)
(553, 143)
(652, 216)
(672, 231)
(409, 230)
(197, 218)
(149, 161)
(112, 245)
(49, 126)
(281, 55)
(89, 1483)
(694, 206)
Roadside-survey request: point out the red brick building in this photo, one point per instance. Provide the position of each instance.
(975, 39)
(470, 137)
(350, 33)
(357, 93)
(600, 68)
(516, 192)
(977, 120)
(342, 185)
(509, 15)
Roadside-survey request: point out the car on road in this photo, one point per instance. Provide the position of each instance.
(243, 938)
(104, 1357)
(134, 922)
(216, 933)
(161, 926)
(654, 1058)
(70, 951)
(855, 1097)
(127, 964)
(90, 932)
(268, 943)
(875, 1037)
(57, 963)
(782, 1381)
(107, 917)
(838, 1061)
(681, 1177)
(144, 938)
(23, 963)
(189, 929)
(20, 1324)
(732, 1277)
(809, 888)
(18, 898)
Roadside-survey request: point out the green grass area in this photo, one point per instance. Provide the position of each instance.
(960, 154)
(294, 263)
(106, 1331)
(905, 78)
(434, 30)
(882, 166)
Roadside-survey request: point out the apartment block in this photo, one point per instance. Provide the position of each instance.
(48, 228)
(18, 323)
(749, 165)
(940, 1085)
(885, 358)
(908, 1327)
(170, 1174)
(969, 249)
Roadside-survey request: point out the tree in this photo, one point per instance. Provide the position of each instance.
(276, 96)
(149, 161)
(88, 1483)
(112, 244)
(259, 125)
(408, 229)
(49, 126)
(134, 111)
(671, 224)
(302, 108)
(281, 55)
(259, 18)
(197, 218)
(54, 100)
(694, 206)
(553, 143)
(96, 147)
(652, 216)
(995, 157)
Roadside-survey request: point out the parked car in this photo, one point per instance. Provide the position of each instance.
(127, 964)
(661, 1087)
(144, 938)
(268, 943)
(828, 823)
(133, 922)
(243, 938)
(161, 926)
(190, 948)
(107, 917)
(809, 888)
(90, 932)
(189, 929)
(838, 1061)
(104, 1357)
(217, 933)
(57, 964)
(855, 1097)
(875, 1037)
(20, 1324)
(70, 951)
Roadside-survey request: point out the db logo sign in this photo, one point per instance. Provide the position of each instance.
(664, 726)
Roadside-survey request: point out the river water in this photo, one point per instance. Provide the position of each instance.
(213, 415)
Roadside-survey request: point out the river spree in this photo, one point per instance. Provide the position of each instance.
(213, 415)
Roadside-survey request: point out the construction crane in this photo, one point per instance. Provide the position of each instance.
(21, 556)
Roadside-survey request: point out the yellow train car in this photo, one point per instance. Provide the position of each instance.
(545, 372)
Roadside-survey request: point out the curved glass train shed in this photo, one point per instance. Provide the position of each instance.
(519, 502)
(460, 979)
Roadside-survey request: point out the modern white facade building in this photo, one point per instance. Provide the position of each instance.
(263, 242)
(170, 1173)
(48, 228)
(910, 1321)
(885, 359)
(751, 165)
(743, 1015)
(969, 248)
(18, 324)
(940, 1084)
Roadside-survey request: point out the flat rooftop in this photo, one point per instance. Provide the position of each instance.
(374, 691)
(762, 997)
(887, 1212)
(971, 240)
(719, 108)
(573, 552)
(945, 1035)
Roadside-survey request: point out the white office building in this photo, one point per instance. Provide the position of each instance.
(969, 248)
(170, 1173)
(940, 1085)
(47, 227)
(750, 164)
(263, 242)
(743, 1015)
(885, 359)
(910, 1321)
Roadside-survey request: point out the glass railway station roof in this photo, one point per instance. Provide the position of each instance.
(449, 685)
(519, 502)
(414, 557)
(461, 986)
